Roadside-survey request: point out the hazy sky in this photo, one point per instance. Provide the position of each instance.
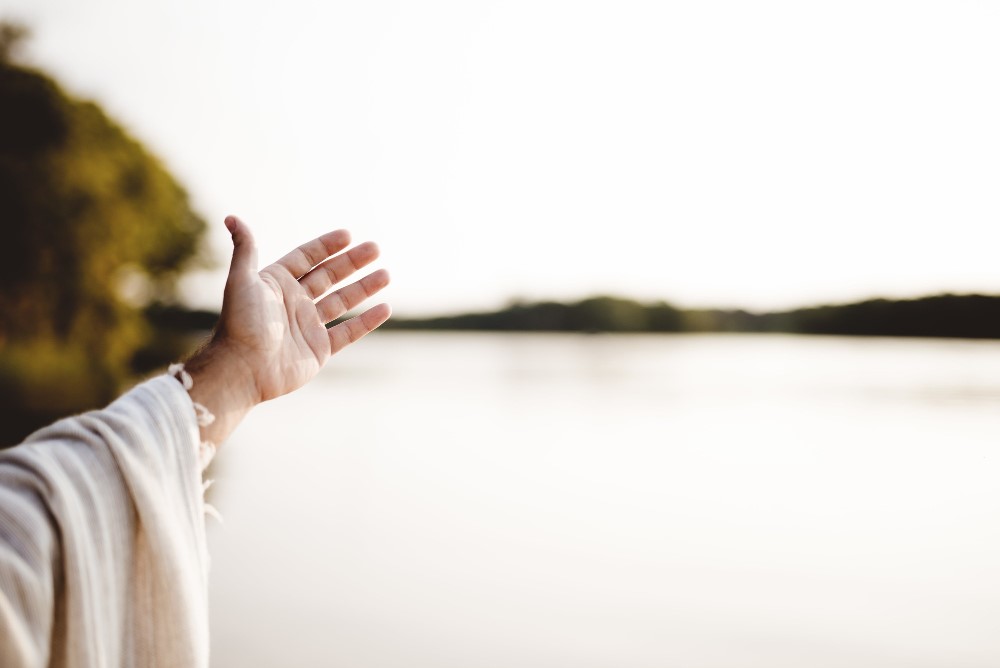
(760, 154)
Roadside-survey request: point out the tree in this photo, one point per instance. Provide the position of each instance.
(85, 212)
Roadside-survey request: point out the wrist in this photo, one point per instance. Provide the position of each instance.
(222, 383)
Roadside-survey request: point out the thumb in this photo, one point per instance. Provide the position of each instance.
(244, 249)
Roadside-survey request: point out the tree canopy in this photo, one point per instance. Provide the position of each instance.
(93, 228)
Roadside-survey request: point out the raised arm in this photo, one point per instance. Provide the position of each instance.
(272, 336)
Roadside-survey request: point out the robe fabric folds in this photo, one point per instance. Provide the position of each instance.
(103, 559)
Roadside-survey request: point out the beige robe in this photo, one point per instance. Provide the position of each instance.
(103, 560)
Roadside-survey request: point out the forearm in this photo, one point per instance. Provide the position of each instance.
(223, 383)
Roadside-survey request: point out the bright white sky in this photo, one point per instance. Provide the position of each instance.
(755, 154)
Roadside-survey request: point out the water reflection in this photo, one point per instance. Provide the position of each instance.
(482, 500)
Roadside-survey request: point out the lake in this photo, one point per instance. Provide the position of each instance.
(726, 501)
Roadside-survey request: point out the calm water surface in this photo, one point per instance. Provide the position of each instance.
(481, 501)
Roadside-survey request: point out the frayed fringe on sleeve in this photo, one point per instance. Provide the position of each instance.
(204, 417)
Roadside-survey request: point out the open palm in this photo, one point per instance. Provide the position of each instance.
(274, 321)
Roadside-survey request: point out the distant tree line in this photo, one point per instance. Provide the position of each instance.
(959, 316)
(596, 314)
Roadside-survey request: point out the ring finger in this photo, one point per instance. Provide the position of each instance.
(341, 301)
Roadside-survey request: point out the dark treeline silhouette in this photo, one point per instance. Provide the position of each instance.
(596, 314)
(957, 316)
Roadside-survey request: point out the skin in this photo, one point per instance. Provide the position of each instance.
(271, 338)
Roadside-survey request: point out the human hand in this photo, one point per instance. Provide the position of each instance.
(271, 338)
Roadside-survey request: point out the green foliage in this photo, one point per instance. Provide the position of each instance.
(83, 206)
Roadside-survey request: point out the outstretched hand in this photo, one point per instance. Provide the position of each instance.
(275, 320)
(272, 336)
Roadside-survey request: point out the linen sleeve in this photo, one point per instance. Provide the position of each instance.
(103, 558)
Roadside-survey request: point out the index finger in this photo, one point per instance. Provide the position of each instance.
(308, 255)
